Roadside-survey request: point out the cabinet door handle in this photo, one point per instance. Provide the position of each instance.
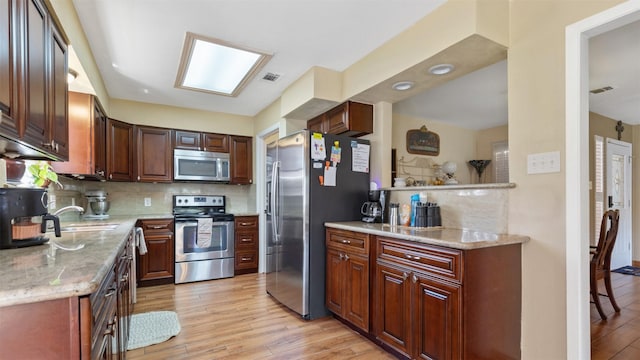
(341, 256)
(405, 276)
(346, 257)
(246, 259)
(110, 292)
(110, 176)
(414, 278)
(138, 177)
(246, 240)
(156, 227)
(410, 257)
(246, 224)
(346, 241)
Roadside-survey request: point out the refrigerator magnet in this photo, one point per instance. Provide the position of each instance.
(336, 153)
(318, 151)
(330, 176)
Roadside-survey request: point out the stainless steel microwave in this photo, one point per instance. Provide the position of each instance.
(200, 165)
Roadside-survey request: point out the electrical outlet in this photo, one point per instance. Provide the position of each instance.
(147, 201)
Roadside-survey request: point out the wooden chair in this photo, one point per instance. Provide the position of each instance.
(601, 259)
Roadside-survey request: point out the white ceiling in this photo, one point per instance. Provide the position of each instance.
(144, 39)
(137, 43)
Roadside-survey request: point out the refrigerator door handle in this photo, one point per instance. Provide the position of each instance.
(274, 200)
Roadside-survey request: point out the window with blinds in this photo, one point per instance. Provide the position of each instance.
(598, 185)
(501, 161)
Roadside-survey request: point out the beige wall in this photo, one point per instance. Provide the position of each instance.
(180, 118)
(536, 82)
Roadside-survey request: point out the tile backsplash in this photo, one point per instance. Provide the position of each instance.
(128, 198)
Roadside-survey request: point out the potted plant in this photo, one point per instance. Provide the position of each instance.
(43, 174)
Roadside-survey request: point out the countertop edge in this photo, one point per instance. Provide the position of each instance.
(447, 237)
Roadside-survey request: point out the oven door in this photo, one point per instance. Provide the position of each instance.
(189, 249)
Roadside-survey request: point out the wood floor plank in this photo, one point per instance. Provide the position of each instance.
(236, 319)
(618, 337)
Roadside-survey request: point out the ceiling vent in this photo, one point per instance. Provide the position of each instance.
(271, 77)
(601, 90)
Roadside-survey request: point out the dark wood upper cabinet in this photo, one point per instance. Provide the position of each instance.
(215, 142)
(154, 154)
(350, 118)
(241, 157)
(8, 76)
(192, 140)
(120, 150)
(87, 142)
(189, 140)
(36, 126)
(33, 79)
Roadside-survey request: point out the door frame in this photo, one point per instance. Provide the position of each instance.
(577, 168)
(261, 180)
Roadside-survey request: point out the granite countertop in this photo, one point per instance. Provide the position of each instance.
(31, 274)
(464, 239)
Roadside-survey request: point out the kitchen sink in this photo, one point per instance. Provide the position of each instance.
(88, 227)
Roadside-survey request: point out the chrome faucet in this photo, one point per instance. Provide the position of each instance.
(65, 209)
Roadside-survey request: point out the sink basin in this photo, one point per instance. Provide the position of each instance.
(88, 227)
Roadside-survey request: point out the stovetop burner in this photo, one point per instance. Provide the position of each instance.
(199, 206)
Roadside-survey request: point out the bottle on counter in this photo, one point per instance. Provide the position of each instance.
(393, 214)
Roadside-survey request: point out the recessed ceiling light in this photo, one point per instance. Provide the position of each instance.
(402, 85)
(441, 69)
(215, 66)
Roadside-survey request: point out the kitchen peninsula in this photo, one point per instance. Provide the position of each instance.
(70, 299)
(440, 293)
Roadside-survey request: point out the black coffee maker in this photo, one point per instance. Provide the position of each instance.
(19, 207)
(372, 209)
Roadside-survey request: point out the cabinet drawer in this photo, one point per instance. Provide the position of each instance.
(246, 240)
(246, 222)
(438, 261)
(246, 260)
(103, 303)
(156, 225)
(348, 240)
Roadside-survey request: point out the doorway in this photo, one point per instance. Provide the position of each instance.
(262, 140)
(577, 167)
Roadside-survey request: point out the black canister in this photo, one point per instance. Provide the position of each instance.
(433, 215)
(421, 215)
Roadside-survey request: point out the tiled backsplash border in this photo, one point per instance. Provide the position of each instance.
(128, 198)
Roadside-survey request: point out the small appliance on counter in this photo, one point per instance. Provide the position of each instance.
(97, 205)
(372, 209)
(23, 217)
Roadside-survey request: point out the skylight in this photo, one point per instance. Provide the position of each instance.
(214, 66)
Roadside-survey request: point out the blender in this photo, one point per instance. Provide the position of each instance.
(97, 204)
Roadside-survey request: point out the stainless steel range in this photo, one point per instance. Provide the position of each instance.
(204, 238)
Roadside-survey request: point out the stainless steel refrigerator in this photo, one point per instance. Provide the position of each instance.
(298, 205)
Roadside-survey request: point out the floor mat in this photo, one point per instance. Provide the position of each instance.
(628, 270)
(152, 328)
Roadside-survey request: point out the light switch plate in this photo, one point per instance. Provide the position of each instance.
(147, 201)
(543, 163)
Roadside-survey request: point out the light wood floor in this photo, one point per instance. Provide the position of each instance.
(236, 319)
(619, 336)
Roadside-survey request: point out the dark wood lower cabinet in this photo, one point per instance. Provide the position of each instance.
(246, 244)
(94, 326)
(157, 266)
(425, 301)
